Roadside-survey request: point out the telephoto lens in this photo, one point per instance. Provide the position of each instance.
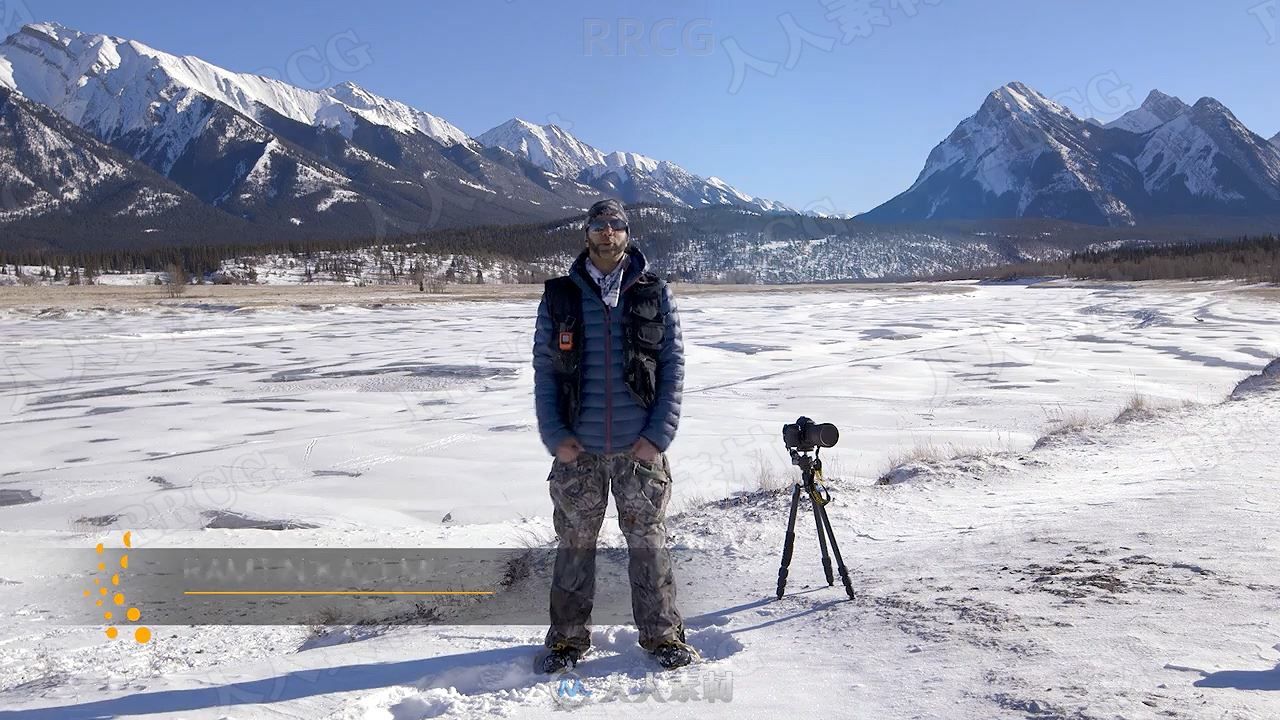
(805, 433)
(822, 435)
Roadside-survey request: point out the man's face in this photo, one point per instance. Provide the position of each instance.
(607, 236)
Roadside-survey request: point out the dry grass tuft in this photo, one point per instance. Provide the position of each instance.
(930, 453)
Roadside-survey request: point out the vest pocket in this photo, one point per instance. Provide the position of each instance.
(650, 334)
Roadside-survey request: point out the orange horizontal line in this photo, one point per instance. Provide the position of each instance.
(338, 592)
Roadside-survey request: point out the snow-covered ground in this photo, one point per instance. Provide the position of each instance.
(1123, 570)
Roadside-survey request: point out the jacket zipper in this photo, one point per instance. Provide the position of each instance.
(608, 381)
(608, 365)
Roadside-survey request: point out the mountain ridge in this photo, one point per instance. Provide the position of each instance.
(1023, 155)
(634, 177)
(336, 162)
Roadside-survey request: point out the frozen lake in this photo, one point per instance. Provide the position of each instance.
(1124, 570)
(399, 416)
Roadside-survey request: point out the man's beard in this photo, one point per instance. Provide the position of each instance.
(609, 251)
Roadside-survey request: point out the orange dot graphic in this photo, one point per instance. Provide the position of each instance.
(99, 603)
(133, 614)
(86, 593)
(118, 598)
(115, 579)
(96, 581)
(128, 542)
(102, 566)
(111, 632)
(142, 634)
(99, 548)
(102, 591)
(107, 614)
(124, 561)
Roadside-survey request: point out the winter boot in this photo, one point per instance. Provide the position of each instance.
(558, 658)
(674, 653)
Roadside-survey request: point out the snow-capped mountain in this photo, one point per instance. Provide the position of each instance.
(547, 146)
(1207, 161)
(335, 162)
(45, 167)
(1276, 140)
(1023, 155)
(57, 177)
(634, 177)
(108, 85)
(1155, 111)
(393, 114)
(1200, 158)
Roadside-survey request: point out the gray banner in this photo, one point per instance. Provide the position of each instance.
(331, 586)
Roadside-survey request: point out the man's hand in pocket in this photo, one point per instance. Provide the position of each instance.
(569, 450)
(644, 451)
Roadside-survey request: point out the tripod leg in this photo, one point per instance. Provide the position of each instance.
(822, 543)
(844, 572)
(790, 542)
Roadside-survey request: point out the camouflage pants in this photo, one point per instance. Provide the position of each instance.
(580, 494)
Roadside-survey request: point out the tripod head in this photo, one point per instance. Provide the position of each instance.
(811, 475)
(802, 437)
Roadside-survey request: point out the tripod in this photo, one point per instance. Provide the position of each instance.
(811, 470)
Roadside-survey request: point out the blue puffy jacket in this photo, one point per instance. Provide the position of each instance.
(610, 419)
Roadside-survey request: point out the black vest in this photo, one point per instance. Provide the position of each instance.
(643, 329)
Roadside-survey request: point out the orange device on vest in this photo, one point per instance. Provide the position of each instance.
(566, 340)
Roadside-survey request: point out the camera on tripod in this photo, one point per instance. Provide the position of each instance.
(802, 437)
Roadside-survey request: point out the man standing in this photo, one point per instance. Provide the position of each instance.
(608, 361)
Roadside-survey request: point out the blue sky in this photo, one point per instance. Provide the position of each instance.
(822, 113)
